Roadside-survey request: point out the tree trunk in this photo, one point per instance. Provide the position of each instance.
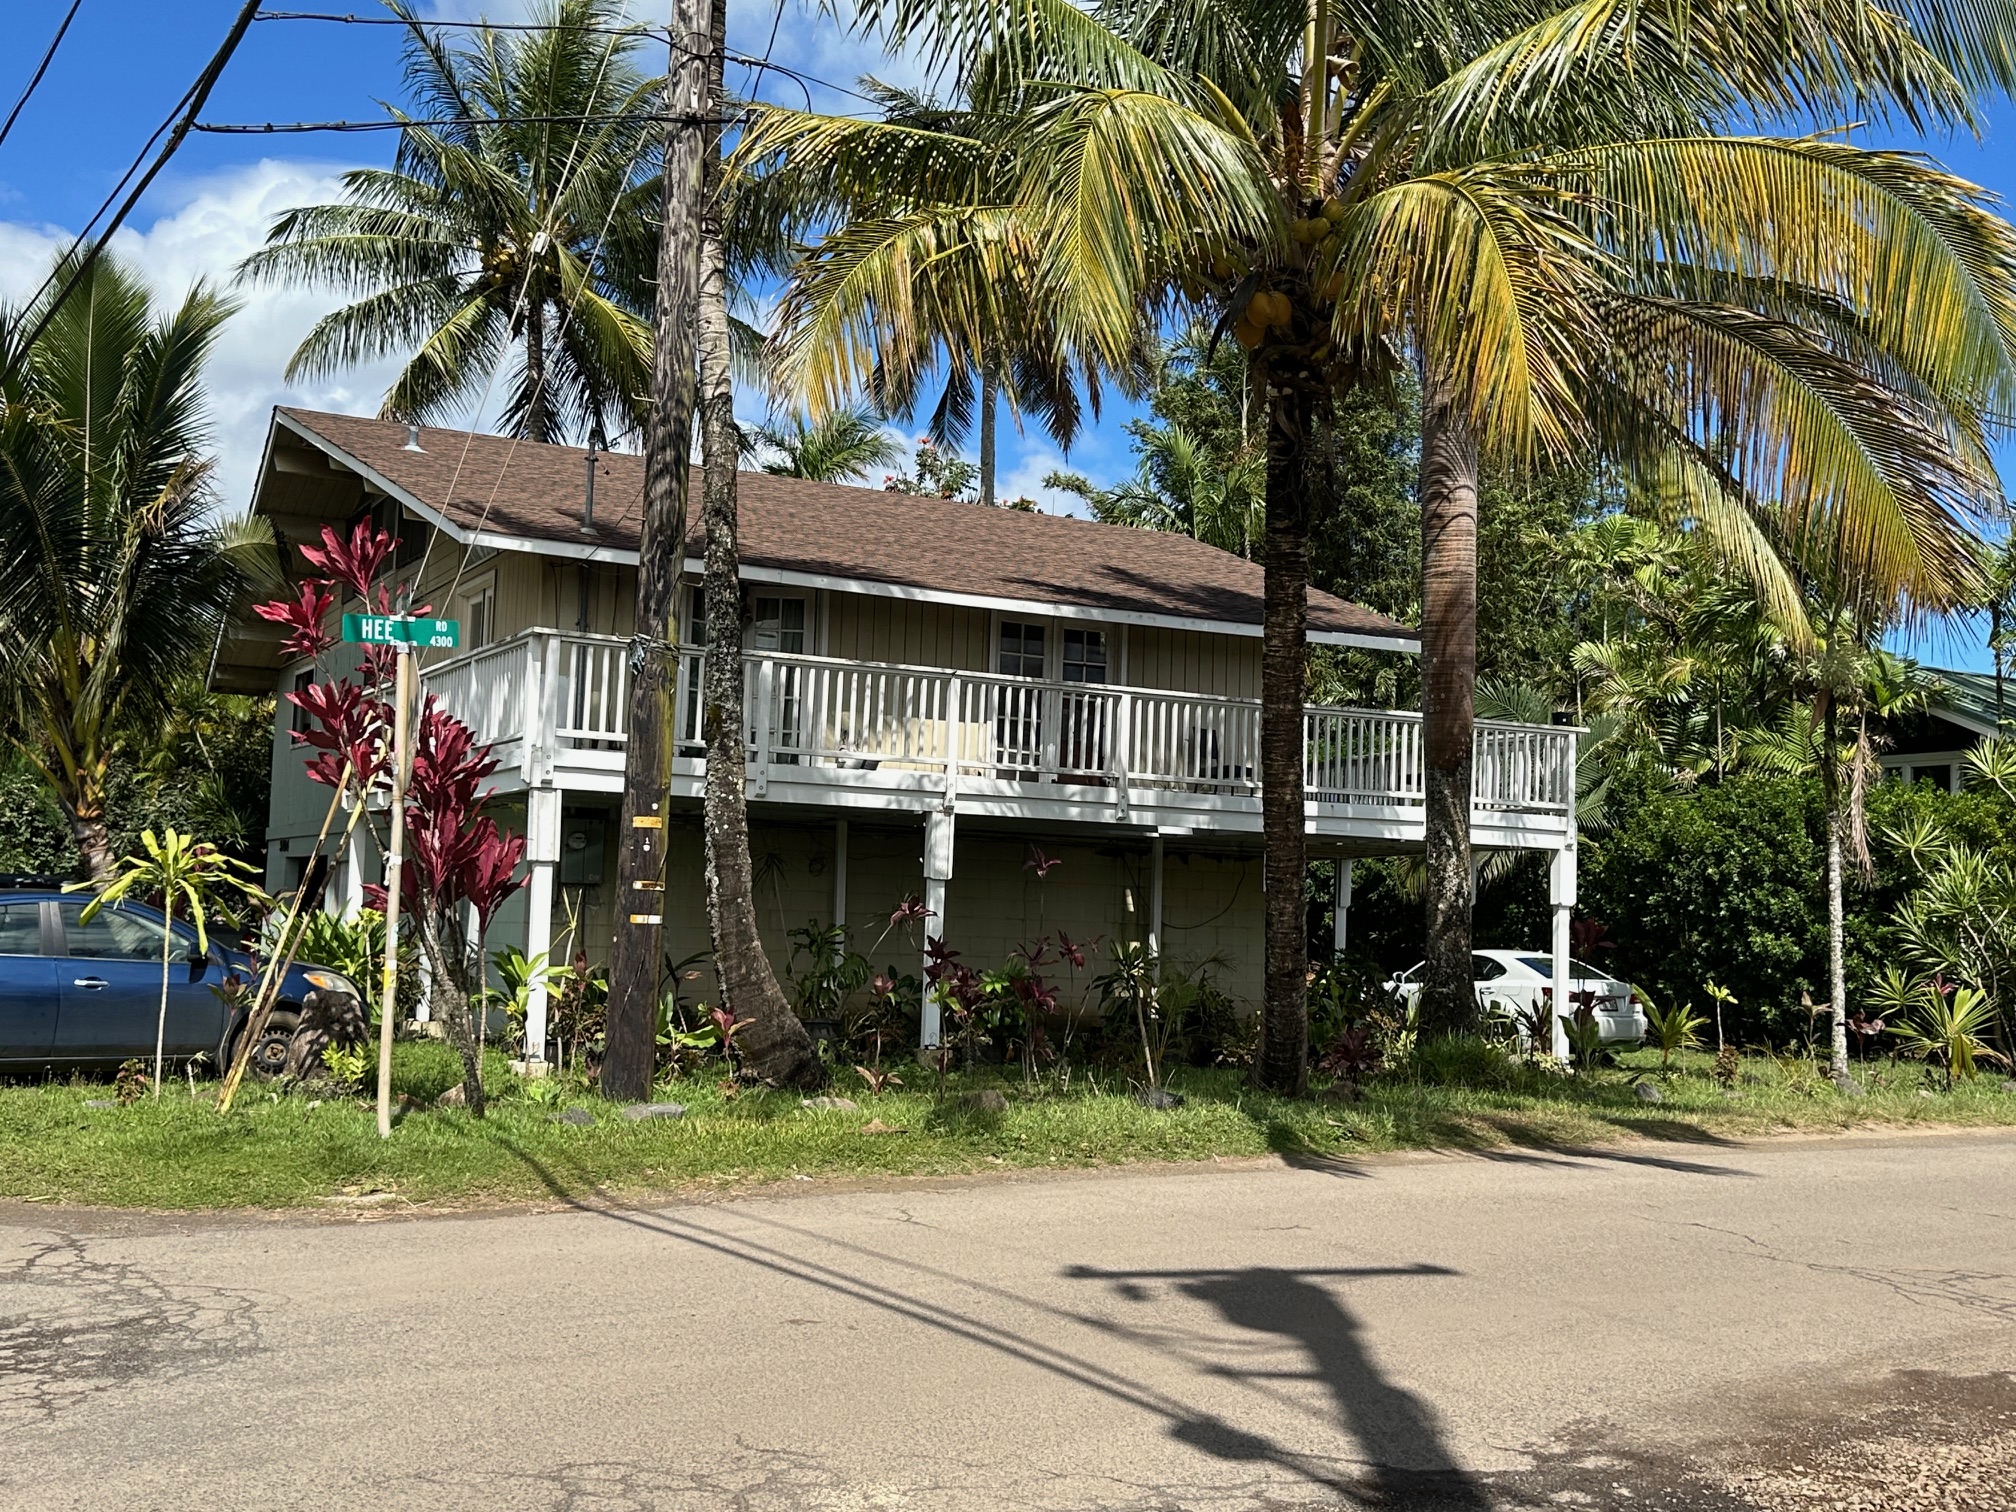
(635, 961)
(1284, 1050)
(86, 813)
(537, 423)
(1448, 706)
(989, 402)
(772, 1043)
(451, 1001)
(1837, 981)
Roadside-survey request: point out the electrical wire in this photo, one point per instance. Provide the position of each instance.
(183, 121)
(288, 128)
(40, 69)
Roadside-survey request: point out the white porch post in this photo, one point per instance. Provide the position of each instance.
(1155, 900)
(352, 900)
(1340, 909)
(840, 880)
(937, 872)
(542, 856)
(1561, 893)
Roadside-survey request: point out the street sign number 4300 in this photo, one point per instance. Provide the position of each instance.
(396, 629)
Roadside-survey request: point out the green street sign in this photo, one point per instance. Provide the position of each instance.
(397, 630)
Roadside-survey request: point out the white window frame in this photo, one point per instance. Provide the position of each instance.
(474, 591)
(1053, 644)
(1897, 768)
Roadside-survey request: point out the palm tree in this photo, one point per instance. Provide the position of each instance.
(841, 447)
(1532, 205)
(115, 574)
(516, 226)
(184, 873)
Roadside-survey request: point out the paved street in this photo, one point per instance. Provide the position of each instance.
(1465, 1332)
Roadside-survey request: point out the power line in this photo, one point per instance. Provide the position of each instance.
(284, 128)
(184, 120)
(348, 19)
(744, 60)
(40, 69)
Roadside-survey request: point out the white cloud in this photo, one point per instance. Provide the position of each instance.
(217, 221)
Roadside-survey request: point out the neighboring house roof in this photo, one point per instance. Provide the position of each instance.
(527, 496)
(1968, 699)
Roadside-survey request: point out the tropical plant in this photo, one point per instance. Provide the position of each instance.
(1352, 1056)
(842, 447)
(184, 874)
(1949, 1029)
(1533, 207)
(1723, 998)
(515, 226)
(115, 571)
(1678, 1027)
(518, 977)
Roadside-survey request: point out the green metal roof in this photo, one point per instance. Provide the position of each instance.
(1970, 697)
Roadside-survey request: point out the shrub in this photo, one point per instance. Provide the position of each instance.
(1721, 881)
(1462, 1060)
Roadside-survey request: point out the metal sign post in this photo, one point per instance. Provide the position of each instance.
(405, 632)
(395, 859)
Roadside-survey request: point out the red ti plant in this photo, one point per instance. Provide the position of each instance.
(456, 856)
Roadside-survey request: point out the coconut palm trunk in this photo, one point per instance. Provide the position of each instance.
(630, 1059)
(989, 397)
(1448, 703)
(772, 1043)
(1284, 1053)
(1837, 978)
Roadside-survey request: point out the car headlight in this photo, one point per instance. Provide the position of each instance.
(333, 981)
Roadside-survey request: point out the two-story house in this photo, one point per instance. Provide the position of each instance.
(942, 700)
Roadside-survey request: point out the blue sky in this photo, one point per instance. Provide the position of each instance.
(125, 62)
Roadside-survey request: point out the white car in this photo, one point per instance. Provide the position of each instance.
(1511, 980)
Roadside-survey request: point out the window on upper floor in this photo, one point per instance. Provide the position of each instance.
(778, 624)
(1084, 655)
(479, 613)
(297, 717)
(1021, 650)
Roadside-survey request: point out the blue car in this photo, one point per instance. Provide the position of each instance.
(75, 993)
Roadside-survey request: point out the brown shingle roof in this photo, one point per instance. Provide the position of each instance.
(533, 491)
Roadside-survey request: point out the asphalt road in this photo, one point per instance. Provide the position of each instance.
(1646, 1325)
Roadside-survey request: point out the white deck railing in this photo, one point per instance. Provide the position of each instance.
(815, 712)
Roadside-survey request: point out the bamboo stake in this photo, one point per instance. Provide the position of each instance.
(276, 966)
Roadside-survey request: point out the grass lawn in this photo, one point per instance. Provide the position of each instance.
(279, 1151)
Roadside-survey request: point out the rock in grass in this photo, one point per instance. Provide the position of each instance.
(454, 1097)
(1847, 1086)
(986, 1100)
(1645, 1092)
(1158, 1097)
(829, 1104)
(2007, 1086)
(655, 1110)
(581, 1118)
(101, 1102)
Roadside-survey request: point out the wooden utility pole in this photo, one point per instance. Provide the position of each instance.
(395, 864)
(668, 447)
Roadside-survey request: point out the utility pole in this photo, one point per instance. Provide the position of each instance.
(628, 1063)
(395, 865)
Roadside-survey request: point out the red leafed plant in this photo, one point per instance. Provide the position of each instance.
(355, 563)
(455, 854)
(306, 618)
